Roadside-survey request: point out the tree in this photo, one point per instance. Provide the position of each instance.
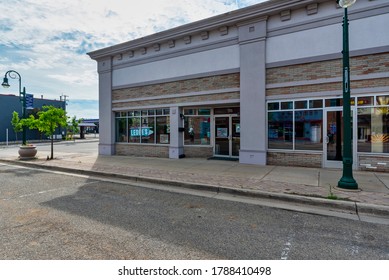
(73, 127)
(49, 119)
(16, 124)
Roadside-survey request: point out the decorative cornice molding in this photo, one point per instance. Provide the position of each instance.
(188, 39)
(221, 21)
(312, 9)
(157, 47)
(160, 56)
(286, 15)
(235, 18)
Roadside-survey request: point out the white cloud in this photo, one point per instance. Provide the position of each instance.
(48, 40)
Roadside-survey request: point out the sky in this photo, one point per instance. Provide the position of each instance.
(47, 41)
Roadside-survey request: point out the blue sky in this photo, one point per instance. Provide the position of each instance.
(46, 41)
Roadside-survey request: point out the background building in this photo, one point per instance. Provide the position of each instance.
(261, 84)
(11, 103)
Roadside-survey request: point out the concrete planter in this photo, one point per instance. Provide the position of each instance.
(27, 152)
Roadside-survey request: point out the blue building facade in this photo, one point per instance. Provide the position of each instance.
(11, 103)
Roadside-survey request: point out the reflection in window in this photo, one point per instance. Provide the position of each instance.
(383, 100)
(147, 130)
(373, 130)
(121, 130)
(197, 130)
(163, 130)
(134, 130)
(308, 130)
(280, 130)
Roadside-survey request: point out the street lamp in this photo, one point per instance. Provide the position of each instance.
(22, 94)
(347, 181)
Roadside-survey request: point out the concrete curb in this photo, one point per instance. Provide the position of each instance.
(332, 205)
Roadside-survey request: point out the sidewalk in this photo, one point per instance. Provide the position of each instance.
(295, 184)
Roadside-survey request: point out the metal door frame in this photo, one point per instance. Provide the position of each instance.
(229, 116)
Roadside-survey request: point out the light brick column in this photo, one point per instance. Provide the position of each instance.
(106, 116)
(252, 40)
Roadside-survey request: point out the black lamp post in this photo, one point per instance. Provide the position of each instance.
(22, 94)
(347, 181)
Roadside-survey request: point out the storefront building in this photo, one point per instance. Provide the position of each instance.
(261, 84)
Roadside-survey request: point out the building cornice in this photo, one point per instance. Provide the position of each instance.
(258, 11)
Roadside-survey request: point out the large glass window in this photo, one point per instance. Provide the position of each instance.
(148, 130)
(163, 130)
(298, 125)
(373, 129)
(295, 125)
(280, 130)
(143, 126)
(197, 125)
(308, 130)
(197, 130)
(121, 130)
(134, 129)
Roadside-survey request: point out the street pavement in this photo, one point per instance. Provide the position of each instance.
(309, 186)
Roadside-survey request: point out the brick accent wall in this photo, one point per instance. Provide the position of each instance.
(294, 159)
(361, 65)
(198, 152)
(187, 99)
(184, 86)
(140, 150)
(328, 87)
(373, 163)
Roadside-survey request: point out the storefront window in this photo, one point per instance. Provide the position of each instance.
(280, 130)
(197, 125)
(295, 125)
(301, 104)
(197, 130)
(143, 126)
(147, 131)
(316, 103)
(365, 101)
(271, 106)
(134, 129)
(163, 130)
(308, 130)
(121, 130)
(373, 129)
(300, 127)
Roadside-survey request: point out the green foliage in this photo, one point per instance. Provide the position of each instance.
(17, 126)
(73, 128)
(49, 119)
(331, 195)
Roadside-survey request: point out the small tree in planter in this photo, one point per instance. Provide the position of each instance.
(16, 124)
(49, 119)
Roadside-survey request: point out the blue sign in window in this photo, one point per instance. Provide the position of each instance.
(144, 131)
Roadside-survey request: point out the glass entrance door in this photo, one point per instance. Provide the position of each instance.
(333, 144)
(227, 136)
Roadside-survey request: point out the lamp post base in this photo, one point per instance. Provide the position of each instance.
(347, 183)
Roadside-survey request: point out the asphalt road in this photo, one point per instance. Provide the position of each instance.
(51, 215)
